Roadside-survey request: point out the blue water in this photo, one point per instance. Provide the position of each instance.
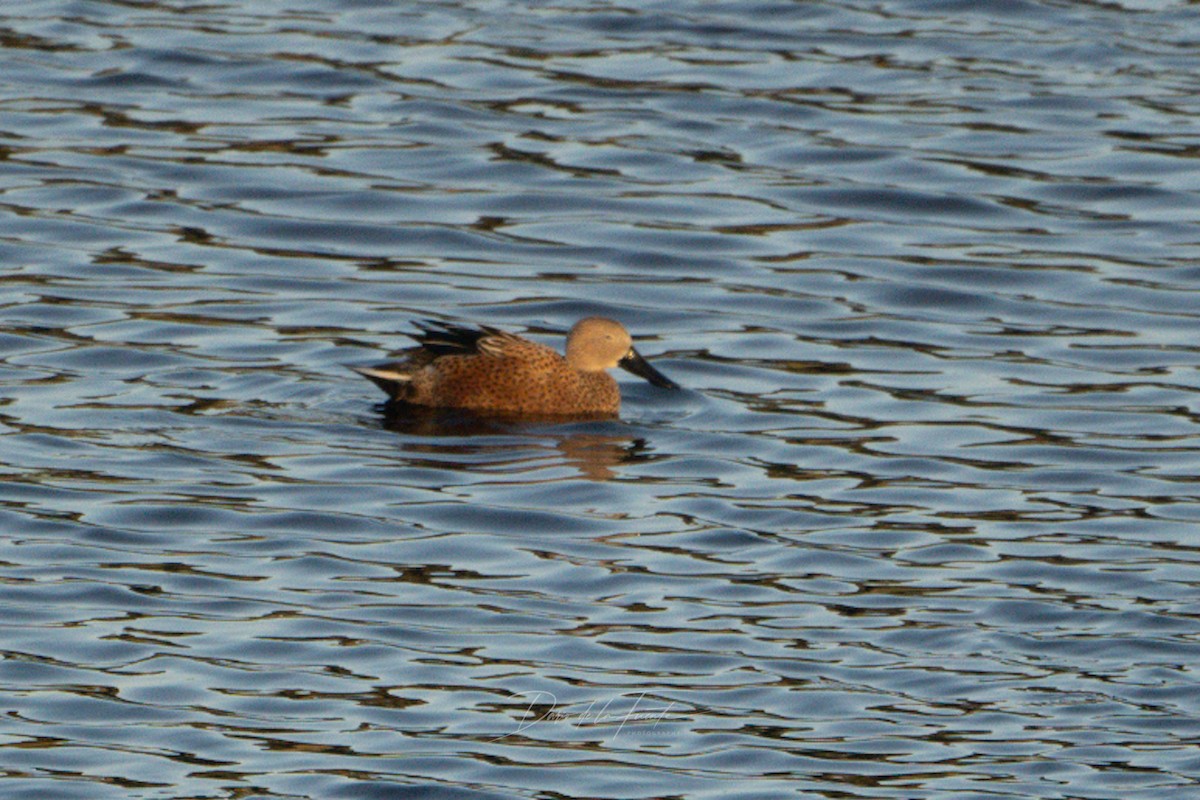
(921, 525)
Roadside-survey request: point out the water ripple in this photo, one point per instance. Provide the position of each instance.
(920, 523)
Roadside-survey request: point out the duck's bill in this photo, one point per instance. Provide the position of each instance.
(633, 362)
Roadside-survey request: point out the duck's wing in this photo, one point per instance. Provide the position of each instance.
(447, 339)
(437, 340)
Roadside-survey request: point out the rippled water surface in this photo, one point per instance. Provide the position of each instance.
(922, 524)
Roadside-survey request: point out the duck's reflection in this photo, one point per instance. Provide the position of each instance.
(595, 446)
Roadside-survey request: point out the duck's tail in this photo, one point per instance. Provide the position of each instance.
(393, 377)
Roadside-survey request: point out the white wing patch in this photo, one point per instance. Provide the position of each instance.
(496, 343)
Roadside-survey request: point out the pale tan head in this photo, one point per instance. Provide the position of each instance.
(598, 343)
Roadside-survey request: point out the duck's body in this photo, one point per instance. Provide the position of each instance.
(485, 369)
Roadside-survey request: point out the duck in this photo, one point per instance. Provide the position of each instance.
(485, 369)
